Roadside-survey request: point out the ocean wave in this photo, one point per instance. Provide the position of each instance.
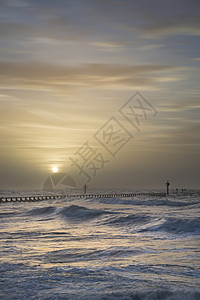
(75, 255)
(82, 283)
(149, 202)
(128, 219)
(71, 212)
(177, 226)
(41, 211)
(149, 295)
(81, 213)
(143, 222)
(6, 215)
(181, 226)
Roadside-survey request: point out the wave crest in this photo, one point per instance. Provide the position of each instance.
(129, 219)
(41, 211)
(181, 226)
(80, 212)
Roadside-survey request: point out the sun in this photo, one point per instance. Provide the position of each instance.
(55, 169)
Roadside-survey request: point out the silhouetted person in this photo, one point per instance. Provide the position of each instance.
(167, 184)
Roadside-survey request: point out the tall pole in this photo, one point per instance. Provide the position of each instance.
(167, 184)
(85, 189)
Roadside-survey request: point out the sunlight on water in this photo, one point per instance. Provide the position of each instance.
(89, 249)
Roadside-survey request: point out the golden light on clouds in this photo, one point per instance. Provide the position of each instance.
(66, 69)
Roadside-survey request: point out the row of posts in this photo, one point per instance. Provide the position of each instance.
(167, 191)
(167, 184)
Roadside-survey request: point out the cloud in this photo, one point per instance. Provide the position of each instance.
(178, 27)
(96, 75)
(181, 105)
(66, 66)
(111, 46)
(196, 58)
(151, 47)
(13, 3)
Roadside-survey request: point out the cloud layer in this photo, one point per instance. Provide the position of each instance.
(66, 67)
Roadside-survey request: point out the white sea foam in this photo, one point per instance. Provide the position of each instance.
(140, 248)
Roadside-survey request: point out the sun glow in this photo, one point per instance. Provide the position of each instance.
(55, 169)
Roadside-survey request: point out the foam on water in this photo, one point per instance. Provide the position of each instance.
(151, 202)
(139, 248)
(175, 225)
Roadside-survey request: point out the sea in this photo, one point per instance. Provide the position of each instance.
(139, 248)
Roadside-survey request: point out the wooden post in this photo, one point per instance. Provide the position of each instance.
(85, 189)
(167, 184)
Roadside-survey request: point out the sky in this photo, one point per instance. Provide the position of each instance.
(106, 91)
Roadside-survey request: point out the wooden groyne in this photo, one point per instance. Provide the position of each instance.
(28, 198)
(120, 195)
(88, 196)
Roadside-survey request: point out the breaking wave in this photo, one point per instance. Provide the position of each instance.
(143, 223)
(139, 222)
(80, 212)
(139, 248)
(174, 225)
(41, 211)
(72, 212)
(128, 219)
